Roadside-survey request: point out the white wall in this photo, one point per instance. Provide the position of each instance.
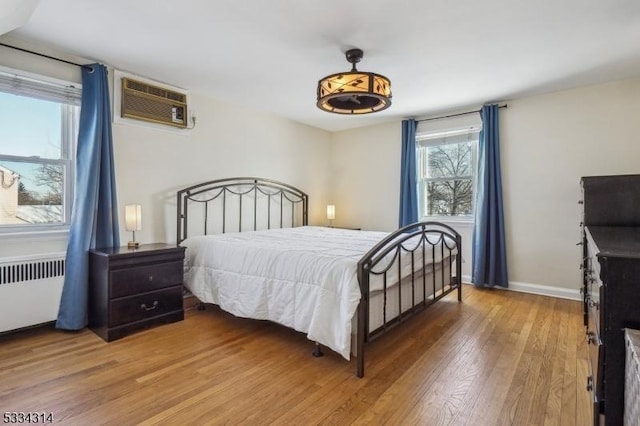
(547, 143)
(151, 165)
(366, 177)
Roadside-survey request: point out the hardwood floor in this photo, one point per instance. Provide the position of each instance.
(497, 357)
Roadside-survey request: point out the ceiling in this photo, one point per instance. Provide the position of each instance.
(440, 55)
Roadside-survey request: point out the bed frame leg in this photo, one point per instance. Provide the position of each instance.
(459, 284)
(201, 306)
(317, 352)
(362, 309)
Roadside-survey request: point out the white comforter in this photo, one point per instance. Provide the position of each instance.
(304, 278)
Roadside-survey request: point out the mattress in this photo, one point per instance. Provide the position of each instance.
(304, 278)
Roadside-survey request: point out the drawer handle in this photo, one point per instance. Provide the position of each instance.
(150, 277)
(151, 308)
(590, 383)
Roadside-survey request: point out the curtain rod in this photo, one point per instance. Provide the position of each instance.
(456, 115)
(45, 56)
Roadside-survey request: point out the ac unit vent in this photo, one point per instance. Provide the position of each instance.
(146, 102)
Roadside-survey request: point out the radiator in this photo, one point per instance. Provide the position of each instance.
(30, 290)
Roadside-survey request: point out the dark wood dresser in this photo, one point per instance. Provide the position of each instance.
(136, 288)
(611, 265)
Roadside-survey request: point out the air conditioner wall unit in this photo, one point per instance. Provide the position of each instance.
(147, 102)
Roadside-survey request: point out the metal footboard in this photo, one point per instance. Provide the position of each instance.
(423, 260)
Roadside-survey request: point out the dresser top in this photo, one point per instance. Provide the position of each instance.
(616, 241)
(611, 200)
(143, 249)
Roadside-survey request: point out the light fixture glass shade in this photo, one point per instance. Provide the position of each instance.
(331, 212)
(133, 217)
(354, 92)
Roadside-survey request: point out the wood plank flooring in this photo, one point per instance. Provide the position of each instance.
(496, 358)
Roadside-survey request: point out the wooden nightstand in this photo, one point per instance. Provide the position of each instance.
(136, 288)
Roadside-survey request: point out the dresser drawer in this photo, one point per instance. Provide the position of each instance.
(147, 305)
(141, 279)
(596, 353)
(594, 263)
(594, 382)
(593, 306)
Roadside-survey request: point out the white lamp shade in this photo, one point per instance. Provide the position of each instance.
(331, 212)
(133, 217)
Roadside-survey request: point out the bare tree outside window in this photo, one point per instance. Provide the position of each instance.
(446, 178)
(51, 177)
(36, 196)
(26, 197)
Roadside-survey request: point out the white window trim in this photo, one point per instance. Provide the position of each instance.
(450, 220)
(67, 90)
(52, 232)
(431, 138)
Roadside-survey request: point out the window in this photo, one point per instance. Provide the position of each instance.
(38, 129)
(446, 172)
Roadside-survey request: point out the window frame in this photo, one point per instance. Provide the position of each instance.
(428, 139)
(68, 95)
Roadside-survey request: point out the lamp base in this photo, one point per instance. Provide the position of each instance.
(133, 244)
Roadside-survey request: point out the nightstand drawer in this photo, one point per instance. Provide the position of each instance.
(134, 288)
(136, 308)
(141, 279)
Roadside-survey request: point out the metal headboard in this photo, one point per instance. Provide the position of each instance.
(239, 204)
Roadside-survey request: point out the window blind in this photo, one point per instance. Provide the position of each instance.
(448, 137)
(24, 86)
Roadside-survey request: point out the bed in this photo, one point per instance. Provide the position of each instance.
(251, 251)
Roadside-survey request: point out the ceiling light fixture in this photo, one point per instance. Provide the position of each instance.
(354, 92)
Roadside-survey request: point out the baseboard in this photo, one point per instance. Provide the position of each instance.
(539, 289)
(48, 324)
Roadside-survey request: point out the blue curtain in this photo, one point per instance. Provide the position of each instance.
(489, 250)
(408, 177)
(94, 219)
